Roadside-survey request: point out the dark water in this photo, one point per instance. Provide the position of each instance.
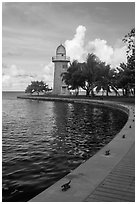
(43, 141)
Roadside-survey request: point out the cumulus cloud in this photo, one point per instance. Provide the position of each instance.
(119, 55)
(14, 78)
(77, 49)
(101, 49)
(106, 53)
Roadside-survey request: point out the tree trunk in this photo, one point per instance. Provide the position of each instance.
(77, 92)
(87, 92)
(134, 91)
(117, 93)
(102, 92)
(92, 93)
(123, 91)
(126, 92)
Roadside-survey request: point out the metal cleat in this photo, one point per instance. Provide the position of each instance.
(65, 186)
(107, 152)
(123, 136)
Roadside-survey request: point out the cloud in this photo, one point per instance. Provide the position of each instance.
(101, 49)
(14, 78)
(6, 80)
(47, 74)
(119, 55)
(106, 53)
(77, 49)
(4, 66)
(11, 54)
(15, 71)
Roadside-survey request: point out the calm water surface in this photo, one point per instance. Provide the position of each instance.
(43, 141)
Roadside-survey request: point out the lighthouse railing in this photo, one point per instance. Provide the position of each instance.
(56, 58)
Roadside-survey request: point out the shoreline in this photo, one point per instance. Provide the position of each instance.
(111, 104)
(86, 177)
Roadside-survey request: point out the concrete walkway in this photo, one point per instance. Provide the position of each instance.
(119, 185)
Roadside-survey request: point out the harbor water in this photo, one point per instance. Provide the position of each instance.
(43, 141)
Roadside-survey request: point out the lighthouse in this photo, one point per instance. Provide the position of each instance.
(60, 66)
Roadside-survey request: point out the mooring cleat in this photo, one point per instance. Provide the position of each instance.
(65, 186)
(123, 136)
(107, 152)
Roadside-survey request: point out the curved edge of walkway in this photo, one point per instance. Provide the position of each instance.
(86, 177)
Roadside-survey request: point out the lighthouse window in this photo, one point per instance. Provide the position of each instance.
(62, 54)
(64, 66)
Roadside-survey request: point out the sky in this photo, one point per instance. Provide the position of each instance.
(31, 32)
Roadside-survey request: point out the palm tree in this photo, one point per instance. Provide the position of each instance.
(91, 73)
(106, 80)
(126, 79)
(127, 71)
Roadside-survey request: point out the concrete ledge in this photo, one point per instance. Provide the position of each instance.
(90, 174)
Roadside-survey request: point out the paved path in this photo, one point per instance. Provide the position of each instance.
(119, 185)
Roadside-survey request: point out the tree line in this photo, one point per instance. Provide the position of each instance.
(95, 75)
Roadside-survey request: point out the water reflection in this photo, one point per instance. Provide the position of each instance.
(43, 141)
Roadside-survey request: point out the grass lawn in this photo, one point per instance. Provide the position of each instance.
(123, 99)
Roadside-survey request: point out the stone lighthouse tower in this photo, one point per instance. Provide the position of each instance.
(60, 66)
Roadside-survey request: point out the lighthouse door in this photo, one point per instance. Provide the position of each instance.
(64, 90)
